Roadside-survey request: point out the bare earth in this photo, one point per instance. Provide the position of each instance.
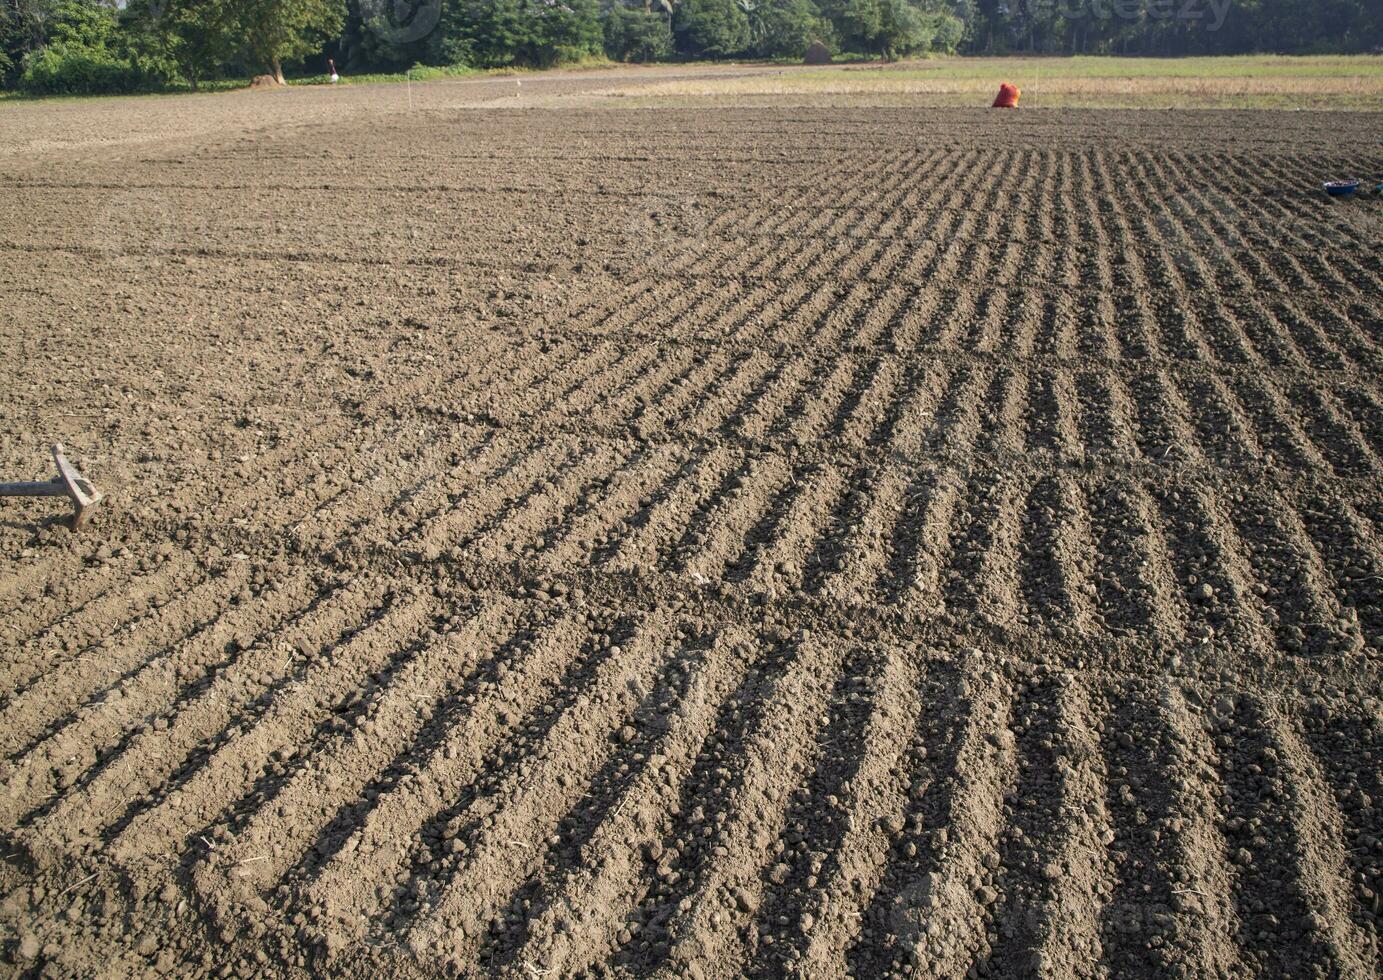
(546, 537)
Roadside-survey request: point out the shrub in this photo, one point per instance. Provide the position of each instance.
(70, 68)
(88, 54)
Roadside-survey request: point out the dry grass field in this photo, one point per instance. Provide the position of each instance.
(1330, 82)
(548, 536)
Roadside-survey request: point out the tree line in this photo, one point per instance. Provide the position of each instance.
(81, 46)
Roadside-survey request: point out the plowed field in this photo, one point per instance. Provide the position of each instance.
(550, 539)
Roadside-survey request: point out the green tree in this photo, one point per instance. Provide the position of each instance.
(483, 33)
(637, 34)
(86, 51)
(533, 33)
(786, 28)
(896, 28)
(948, 32)
(24, 27)
(199, 36)
(571, 31)
(881, 27)
(902, 30)
(856, 21)
(275, 31)
(711, 28)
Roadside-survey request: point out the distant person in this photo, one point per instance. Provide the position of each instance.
(1007, 98)
(331, 63)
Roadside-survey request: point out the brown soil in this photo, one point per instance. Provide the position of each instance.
(551, 540)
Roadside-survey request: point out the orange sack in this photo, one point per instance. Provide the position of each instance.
(1007, 98)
